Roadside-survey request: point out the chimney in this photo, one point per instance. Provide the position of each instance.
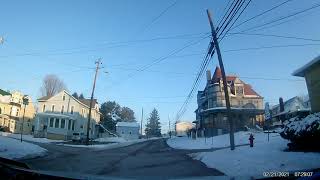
(208, 75)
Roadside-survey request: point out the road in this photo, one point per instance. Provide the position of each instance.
(151, 158)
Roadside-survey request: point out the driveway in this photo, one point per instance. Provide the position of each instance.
(150, 158)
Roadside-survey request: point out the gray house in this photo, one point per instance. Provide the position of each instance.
(128, 130)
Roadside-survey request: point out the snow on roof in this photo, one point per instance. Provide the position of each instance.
(300, 72)
(128, 124)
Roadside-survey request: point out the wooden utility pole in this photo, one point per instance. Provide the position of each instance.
(98, 62)
(225, 85)
(169, 126)
(141, 122)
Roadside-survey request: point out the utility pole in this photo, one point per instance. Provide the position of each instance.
(225, 85)
(169, 126)
(98, 62)
(25, 101)
(141, 121)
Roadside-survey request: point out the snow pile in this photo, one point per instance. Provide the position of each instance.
(263, 157)
(208, 143)
(14, 149)
(29, 138)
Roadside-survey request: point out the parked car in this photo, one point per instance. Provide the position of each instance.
(78, 137)
(4, 129)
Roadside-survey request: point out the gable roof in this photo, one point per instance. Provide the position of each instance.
(4, 93)
(85, 102)
(301, 71)
(249, 91)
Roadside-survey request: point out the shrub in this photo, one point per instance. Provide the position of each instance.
(304, 133)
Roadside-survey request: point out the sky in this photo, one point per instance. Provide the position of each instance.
(67, 37)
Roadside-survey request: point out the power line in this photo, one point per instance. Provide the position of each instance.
(227, 17)
(282, 18)
(274, 35)
(158, 16)
(111, 45)
(270, 47)
(219, 33)
(235, 20)
(260, 14)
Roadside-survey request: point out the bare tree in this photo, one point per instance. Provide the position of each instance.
(51, 85)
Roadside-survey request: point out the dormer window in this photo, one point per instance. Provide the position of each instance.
(239, 90)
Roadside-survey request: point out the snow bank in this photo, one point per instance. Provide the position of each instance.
(208, 143)
(263, 157)
(14, 149)
(29, 138)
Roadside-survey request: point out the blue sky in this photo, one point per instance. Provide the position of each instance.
(66, 37)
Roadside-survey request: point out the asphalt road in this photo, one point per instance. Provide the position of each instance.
(151, 158)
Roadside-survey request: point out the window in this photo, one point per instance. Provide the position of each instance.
(71, 110)
(51, 122)
(44, 108)
(52, 108)
(72, 125)
(62, 109)
(64, 97)
(0, 111)
(56, 124)
(239, 90)
(130, 132)
(62, 125)
(17, 113)
(69, 124)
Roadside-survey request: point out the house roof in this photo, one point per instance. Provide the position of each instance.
(249, 91)
(128, 124)
(301, 71)
(4, 93)
(44, 98)
(87, 101)
(247, 88)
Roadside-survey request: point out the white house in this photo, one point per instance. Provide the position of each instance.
(62, 115)
(128, 130)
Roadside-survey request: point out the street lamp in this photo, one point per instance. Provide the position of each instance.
(25, 100)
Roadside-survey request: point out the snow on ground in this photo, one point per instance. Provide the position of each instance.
(29, 138)
(14, 149)
(263, 157)
(115, 142)
(208, 143)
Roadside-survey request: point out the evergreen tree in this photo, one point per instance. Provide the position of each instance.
(153, 128)
(81, 96)
(75, 94)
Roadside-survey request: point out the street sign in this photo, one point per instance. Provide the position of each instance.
(267, 115)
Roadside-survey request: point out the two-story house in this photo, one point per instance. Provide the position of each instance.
(11, 112)
(246, 105)
(61, 115)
